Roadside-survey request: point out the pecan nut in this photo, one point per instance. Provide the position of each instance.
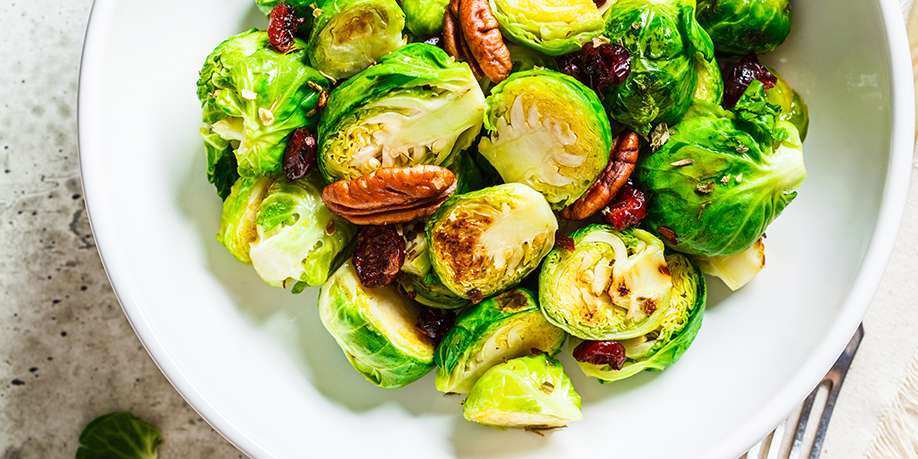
(621, 165)
(391, 195)
(472, 34)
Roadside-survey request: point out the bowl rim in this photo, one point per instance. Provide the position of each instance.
(885, 231)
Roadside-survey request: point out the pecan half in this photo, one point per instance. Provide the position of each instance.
(621, 164)
(390, 195)
(454, 42)
(482, 33)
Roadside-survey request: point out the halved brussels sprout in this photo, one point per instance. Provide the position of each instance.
(713, 188)
(663, 347)
(418, 280)
(350, 35)
(238, 229)
(746, 26)
(549, 131)
(417, 106)
(504, 327)
(665, 42)
(424, 17)
(530, 391)
(253, 97)
(793, 108)
(554, 27)
(610, 287)
(487, 241)
(299, 240)
(376, 329)
(736, 270)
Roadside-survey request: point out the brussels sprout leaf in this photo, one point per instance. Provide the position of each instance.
(119, 435)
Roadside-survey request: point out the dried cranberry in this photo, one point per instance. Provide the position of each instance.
(738, 78)
(435, 323)
(598, 66)
(628, 208)
(300, 155)
(601, 353)
(564, 242)
(283, 24)
(379, 255)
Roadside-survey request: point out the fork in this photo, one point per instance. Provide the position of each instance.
(806, 440)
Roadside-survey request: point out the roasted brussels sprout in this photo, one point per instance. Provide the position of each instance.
(682, 316)
(253, 97)
(713, 188)
(376, 329)
(418, 280)
(526, 392)
(665, 42)
(487, 241)
(736, 270)
(299, 240)
(238, 229)
(301, 6)
(350, 35)
(793, 108)
(549, 131)
(506, 326)
(611, 286)
(746, 26)
(424, 17)
(416, 106)
(710, 85)
(554, 27)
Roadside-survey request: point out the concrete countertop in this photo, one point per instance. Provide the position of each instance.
(67, 354)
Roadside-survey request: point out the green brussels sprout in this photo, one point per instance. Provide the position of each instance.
(301, 6)
(549, 131)
(735, 270)
(610, 287)
(417, 106)
(119, 435)
(665, 42)
(238, 229)
(793, 108)
(713, 188)
(503, 327)
(526, 392)
(663, 347)
(524, 58)
(746, 26)
(253, 97)
(487, 241)
(469, 175)
(299, 240)
(418, 280)
(350, 35)
(375, 329)
(553, 27)
(424, 17)
(710, 85)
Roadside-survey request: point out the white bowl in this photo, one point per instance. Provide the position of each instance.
(256, 363)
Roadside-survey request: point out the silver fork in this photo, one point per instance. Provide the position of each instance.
(805, 441)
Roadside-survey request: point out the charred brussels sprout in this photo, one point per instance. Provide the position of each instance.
(420, 283)
(376, 330)
(666, 43)
(611, 286)
(253, 97)
(424, 17)
(238, 229)
(549, 131)
(746, 26)
(506, 326)
(417, 106)
(717, 183)
(299, 240)
(530, 391)
(487, 241)
(554, 27)
(682, 316)
(350, 35)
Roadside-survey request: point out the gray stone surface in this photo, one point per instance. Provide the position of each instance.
(67, 354)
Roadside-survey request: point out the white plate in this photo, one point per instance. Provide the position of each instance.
(257, 364)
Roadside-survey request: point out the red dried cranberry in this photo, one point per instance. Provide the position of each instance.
(283, 24)
(598, 66)
(300, 155)
(601, 353)
(564, 242)
(738, 78)
(628, 208)
(435, 323)
(379, 255)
